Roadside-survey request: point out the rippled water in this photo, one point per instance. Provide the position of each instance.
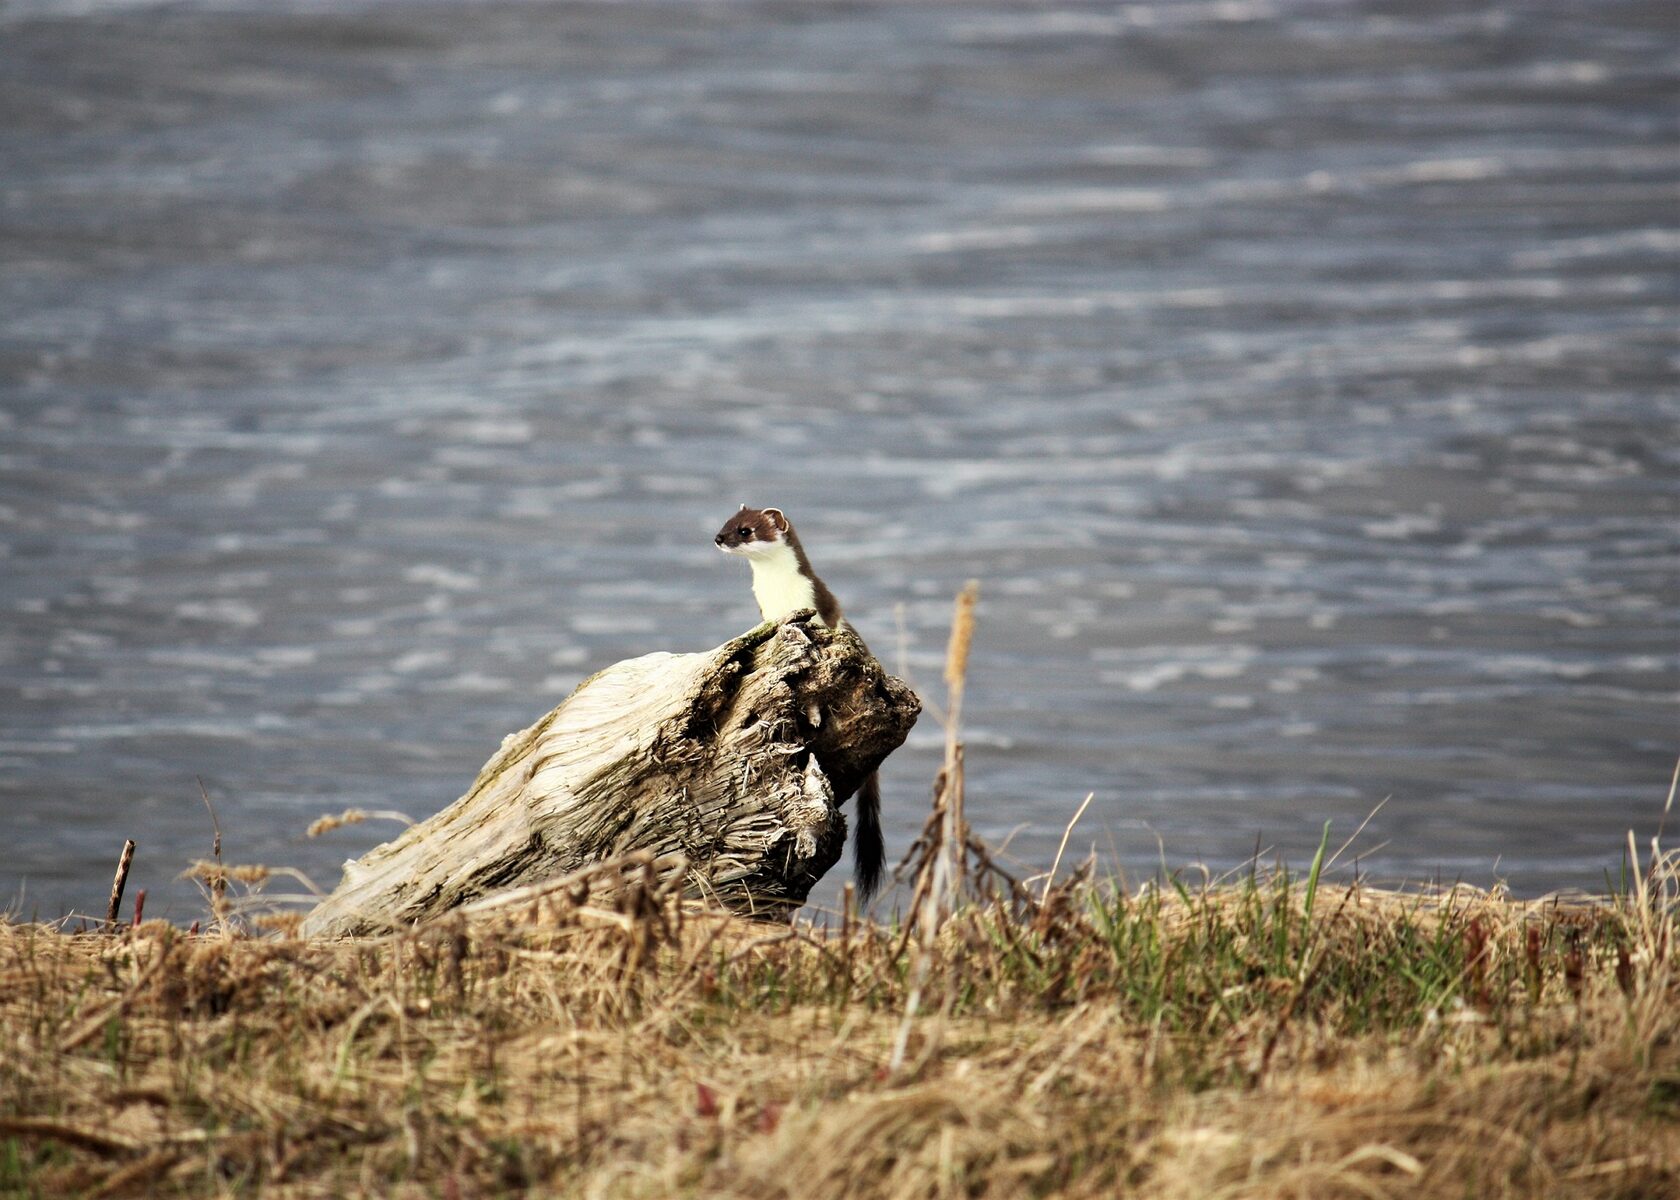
(1298, 378)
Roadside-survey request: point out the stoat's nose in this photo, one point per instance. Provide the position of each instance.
(718, 539)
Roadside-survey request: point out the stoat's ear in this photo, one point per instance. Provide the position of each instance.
(776, 518)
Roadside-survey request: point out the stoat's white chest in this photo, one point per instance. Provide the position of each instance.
(777, 583)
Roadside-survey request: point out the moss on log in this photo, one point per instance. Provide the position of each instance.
(726, 765)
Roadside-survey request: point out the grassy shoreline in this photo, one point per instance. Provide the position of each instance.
(1269, 1037)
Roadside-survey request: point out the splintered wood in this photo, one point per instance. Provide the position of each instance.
(726, 766)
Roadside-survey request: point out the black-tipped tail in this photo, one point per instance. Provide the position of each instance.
(868, 850)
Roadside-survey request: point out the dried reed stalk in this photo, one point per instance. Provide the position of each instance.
(117, 885)
(941, 873)
(956, 681)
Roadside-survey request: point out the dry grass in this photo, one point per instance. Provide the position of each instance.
(1272, 1037)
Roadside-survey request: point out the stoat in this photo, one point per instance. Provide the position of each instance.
(783, 582)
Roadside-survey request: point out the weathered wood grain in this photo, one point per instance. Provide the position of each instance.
(727, 765)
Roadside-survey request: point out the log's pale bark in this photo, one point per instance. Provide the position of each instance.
(728, 765)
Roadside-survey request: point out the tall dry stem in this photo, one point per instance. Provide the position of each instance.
(939, 879)
(956, 681)
(941, 871)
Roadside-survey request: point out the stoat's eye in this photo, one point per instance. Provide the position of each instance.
(745, 531)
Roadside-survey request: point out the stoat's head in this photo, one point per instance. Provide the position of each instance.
(753, 531)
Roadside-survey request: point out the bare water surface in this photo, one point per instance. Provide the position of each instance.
(1298, 379)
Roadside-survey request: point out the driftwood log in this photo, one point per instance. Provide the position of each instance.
(727, 765)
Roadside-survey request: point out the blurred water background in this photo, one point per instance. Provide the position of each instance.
(1298, 378)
